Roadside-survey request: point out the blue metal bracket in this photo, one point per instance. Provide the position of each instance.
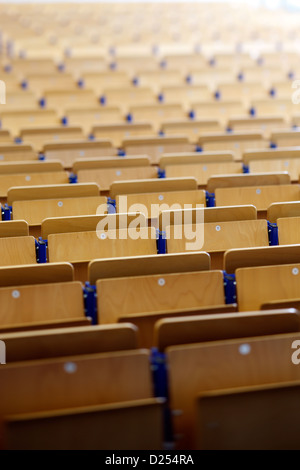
(64, 121)
(189, 79)
(129, 117)
(252, 112)
(90, 302)
(192, 115)
(161, 240)
(229, 288)
(218, 95)
(273, 234)
(161, 390)
(18, 140)
(73, 178)
(246, 169)
(42, 102)
(6, 212)
(41, 250)
(210, 199)
(111, 206)
(161, 173)
(273, 145)
(198, 149)
(121, 153)
(161, 97)
(91, 137)
(42, 157)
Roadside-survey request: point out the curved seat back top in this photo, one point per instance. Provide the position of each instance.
(152, 186)
(17, 250)
(147, 265)
(14, 228)
(241, 181)
(17, 153)
(280, 210)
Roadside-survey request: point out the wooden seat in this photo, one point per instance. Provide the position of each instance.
(267, 107)
(17, 153)
(18, 100)
(259, 285)
(185, 94)
(30, 173)
(118, 132)
(154, 147)
(244, 91)
(106, 171)
(146, 322)
(82, 247)
(152, 186)
(237, 143)
(249, 418)
(289, 230)
(61, 100)
(82, 64)
(200, 165)
(157, 293)
(156, 114)
(206, 215)
(128, 96)
(286, 138)
(216, 238)
(40, 137)
(260, 256)
(68, 152)
(282, 210)
(97, 379)
(17, 250)
(99, 81)
(31, 118)
(191, 129)
(107, 424)
(147, 265)
(241, 181)
(235, 363)
(280, 160)
(90, 223)
(218, 327)
(89, 117)
(64, 342)
(14, 228)
(158, 78)
(265, 124)
(5, 137)
(39, 82)
(33, 274)
(36, 203)
(222, 111)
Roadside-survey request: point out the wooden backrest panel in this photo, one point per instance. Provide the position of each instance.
(217, 327)
(280, 210)
(157, 293)
(147, 265)
(151, 186)
(241, 181)
(17, 250)
(289, 230)
(52, 192)
(43, 302)
(14, 228)
(36, 274)
(259, 285)
(86, 246)
(79, 381)
(60, 342)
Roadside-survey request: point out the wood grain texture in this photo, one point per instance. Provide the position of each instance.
(17, 250)
(70, 323)
(147, 294)
(69, 153)
(217, 237)
(73, 341)
(249, 418)
(17, 120)
(110, 162)
(89, 117)
(155, 147)
(147, 265)
(196, 158)
(238, 147)
(97, 379)
(260, 256)
(29, 167)
(13, 153)
(220, 111)
(43, 302)
(218, 327)
(14, 228)
(93, 428)
(87, 246)
(271, 154)
(192, 130)
(195, 369)
(35, 211)
(260, 285)
(261, 197)
(289, 230)
(118, 132)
